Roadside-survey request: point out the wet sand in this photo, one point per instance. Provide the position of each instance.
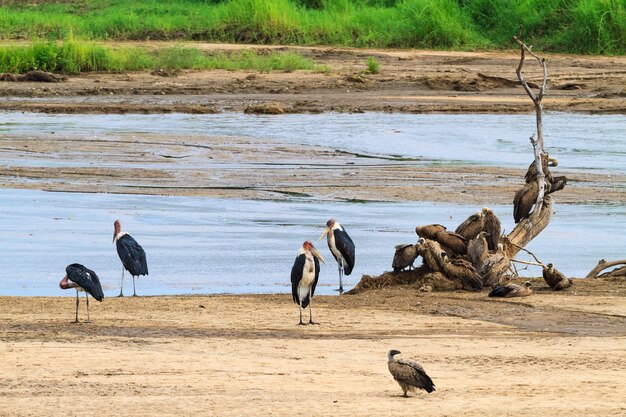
(551, 354)
(238, 168)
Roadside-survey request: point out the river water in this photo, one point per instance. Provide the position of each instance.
(199, 245)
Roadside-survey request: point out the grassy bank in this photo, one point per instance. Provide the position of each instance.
(73, 57)
(577, 26)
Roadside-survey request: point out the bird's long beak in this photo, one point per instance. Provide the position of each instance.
(114, 234)
(318, 255)
(324, 233)
(553, 162)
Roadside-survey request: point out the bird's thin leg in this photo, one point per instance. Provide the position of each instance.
(76, 321)
(87, 298)
(122, 284)
(134, 292)
(341, 277)
(301, 324)
(311, 310)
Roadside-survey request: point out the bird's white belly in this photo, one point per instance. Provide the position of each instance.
(308, 274)
(333, 248)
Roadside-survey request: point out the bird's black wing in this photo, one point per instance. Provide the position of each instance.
(346, 247)
(500, 291)
(86, 279)
(132, 255)
(296, 276)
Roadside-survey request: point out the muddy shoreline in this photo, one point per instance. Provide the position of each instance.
(410, 81)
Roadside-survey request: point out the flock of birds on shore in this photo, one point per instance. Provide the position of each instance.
(463, 255)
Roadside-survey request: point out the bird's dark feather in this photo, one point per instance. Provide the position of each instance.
(132, 255)
(86, 278)
(411, 373)
(500, 291)
(345, 246)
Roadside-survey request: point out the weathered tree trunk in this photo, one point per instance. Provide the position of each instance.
(602, 265)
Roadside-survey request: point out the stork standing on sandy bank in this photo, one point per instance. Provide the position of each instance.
(131, 254)
(82, 279)
(304, 275)
(342, 248)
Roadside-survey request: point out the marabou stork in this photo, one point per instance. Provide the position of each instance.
(82, 279)
(408, 374)
(342, 248)
(131, 254)
(304, 275)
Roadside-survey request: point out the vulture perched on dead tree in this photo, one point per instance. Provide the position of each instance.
(428, 231)
(462, 271)
(428, 250)
(404, 257)
(555, 279)
(546, 163)
(453, 243)
(524, 200)
(472, 226)
(493, 227)
(408, 374)
(511, 290)
(478, 251)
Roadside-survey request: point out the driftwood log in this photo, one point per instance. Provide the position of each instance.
(602, 265)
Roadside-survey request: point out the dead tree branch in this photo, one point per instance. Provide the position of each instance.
(602, 265)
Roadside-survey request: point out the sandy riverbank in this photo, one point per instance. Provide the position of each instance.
(551, 354)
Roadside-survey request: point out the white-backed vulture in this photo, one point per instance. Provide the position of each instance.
(512, 290)
(478, 250)
(524, 201)
(493, 227)
(404, 257)
(472, 226)
(558, 183)
(430, 250)
(555, 279)
(546, 162)
(453, 243)
(428, 231)
(462, 271)
(408, 374)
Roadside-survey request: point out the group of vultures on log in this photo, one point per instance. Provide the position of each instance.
(466, 256)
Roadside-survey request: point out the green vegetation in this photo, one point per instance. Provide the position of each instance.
(73, 57)
(373, 66)
(578, 26)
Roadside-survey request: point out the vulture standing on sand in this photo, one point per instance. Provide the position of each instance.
(304, 275)
(131, 254)
(82, 279)
(478, 250)
(555, 279)
(408, 374)
(493, 227)
(511, 290)
(342, 248)
(472, 226)
(404, 257)
(462, 271)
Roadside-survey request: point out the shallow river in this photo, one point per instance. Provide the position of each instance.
(204, 245)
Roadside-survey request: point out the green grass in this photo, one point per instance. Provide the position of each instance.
(373, 66)
(73, 57)
(579, 26)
